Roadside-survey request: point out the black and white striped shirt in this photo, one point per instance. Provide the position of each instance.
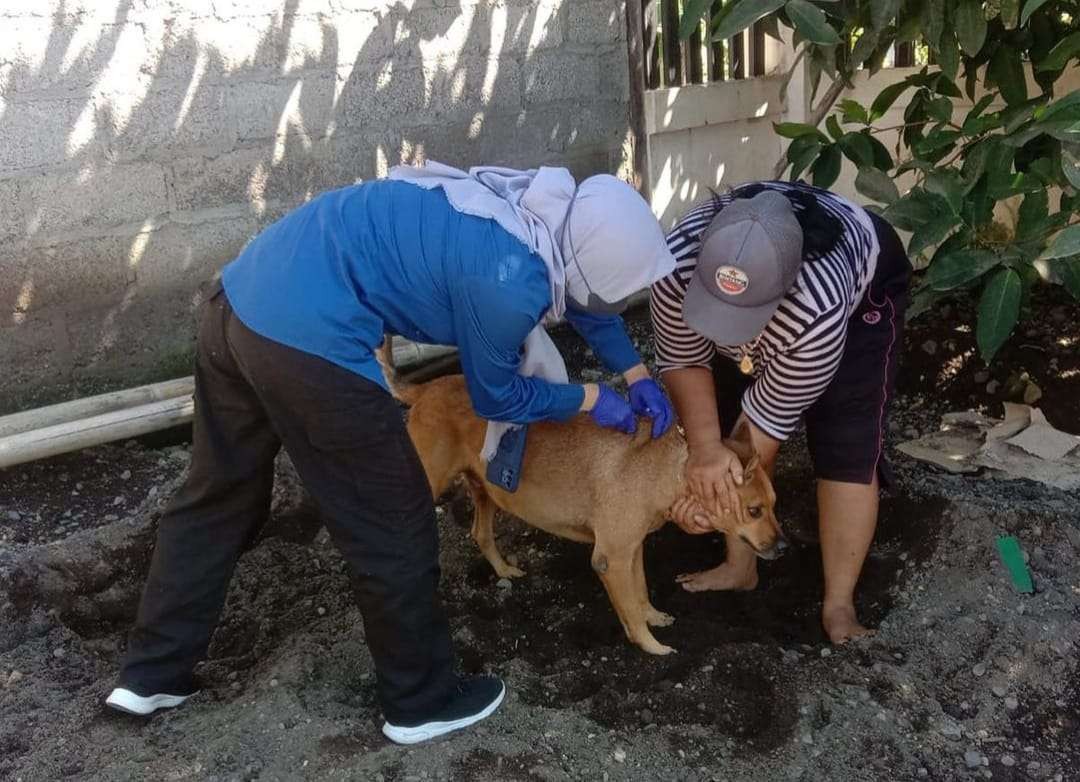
(798, 353)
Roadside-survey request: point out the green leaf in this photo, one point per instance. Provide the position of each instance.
(882, 157)
(932, 233)
(827, 167)
(833, 126)
(1059, 56)
(975, 160)
(1033, 215)
(940, 109)
(1010, 12)
(1065, 245)
(876, 185)
(959, 268)
(693, 11)
(796, 129)
(857, 148)
(947, 184)
(864, 47)
(882, 12)
(801, 153)
(933, 21)
(1070, 166)
(944, 85)
(910, 213)
(999, 307)
(743, 14)
(949, 55)
(923, 300)
(1066, 106)
(970, 26)
(1069, 271)
(936, 144)
(1007, 72)
(886, 98)
(908, 28)
(854, 112)
(811, 23)
(1029, 8)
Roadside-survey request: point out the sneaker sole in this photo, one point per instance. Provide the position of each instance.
(432, 730)
(130, 703)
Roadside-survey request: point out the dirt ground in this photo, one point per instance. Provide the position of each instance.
(965, 679)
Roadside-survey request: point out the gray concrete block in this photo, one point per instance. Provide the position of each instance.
(36, 278)
(559, 75)
(38, 132)
(51, 206)
(181, 256)
(283, 107)
(614, 76)
(599, 21)
(227, 9)
(123, 340)
(168, 121)
(372, 101)
(210, 182)
(520, 28)
(34, 352)
(471, 85)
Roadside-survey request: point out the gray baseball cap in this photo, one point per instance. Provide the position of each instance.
(749, 258)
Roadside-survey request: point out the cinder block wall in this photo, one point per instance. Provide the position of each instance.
(143, 142)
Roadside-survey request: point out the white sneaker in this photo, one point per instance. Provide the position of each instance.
(476, 698)
(130, 702)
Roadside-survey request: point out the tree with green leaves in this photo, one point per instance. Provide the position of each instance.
(1016, 143)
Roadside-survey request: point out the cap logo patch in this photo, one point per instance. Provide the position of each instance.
(732, 280)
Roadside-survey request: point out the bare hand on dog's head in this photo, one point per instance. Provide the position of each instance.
(691, 516)
(713, 473)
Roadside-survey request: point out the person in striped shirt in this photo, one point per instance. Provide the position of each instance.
(786, 304)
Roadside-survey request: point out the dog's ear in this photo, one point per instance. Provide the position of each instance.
(752, 464)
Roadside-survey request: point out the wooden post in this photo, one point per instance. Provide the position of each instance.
(638, 135)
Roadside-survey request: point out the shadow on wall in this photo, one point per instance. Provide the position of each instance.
(141, 147)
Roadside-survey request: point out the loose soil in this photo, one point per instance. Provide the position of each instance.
(965, 679)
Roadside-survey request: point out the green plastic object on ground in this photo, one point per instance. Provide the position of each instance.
(1009, 549)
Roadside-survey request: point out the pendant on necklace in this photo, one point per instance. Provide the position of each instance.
(746, 366)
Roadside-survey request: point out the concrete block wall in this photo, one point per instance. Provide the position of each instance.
(143, 142)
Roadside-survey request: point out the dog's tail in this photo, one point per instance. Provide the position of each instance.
(402, 390)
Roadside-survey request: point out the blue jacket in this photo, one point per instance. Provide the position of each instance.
(384, 256)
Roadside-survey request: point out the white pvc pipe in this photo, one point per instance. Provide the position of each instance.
(98, 429)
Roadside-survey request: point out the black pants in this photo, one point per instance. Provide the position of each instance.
(349, 444)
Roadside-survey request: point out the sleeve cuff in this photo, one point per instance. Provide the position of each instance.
(761, 422)
(567, 399)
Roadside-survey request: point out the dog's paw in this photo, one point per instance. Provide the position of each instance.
(658, 649)
(659, 619)
(510, 572)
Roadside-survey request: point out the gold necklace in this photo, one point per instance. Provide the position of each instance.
(746, 364)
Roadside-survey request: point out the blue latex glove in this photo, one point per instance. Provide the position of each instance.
(647, 399)
(613, 412)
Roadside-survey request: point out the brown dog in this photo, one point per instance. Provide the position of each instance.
(581, 482)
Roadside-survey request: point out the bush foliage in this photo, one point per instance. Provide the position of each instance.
(1018, 142)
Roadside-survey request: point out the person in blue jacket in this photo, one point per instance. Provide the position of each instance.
(285, 358)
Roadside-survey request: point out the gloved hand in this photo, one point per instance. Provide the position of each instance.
(647, 399)
(613, 412)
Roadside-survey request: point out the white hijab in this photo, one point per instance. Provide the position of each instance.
(616, 241)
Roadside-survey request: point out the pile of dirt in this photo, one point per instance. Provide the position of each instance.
(965, 679)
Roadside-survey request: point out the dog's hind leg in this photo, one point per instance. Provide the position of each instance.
(616, 571)
(483, 531)
(654, 616)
